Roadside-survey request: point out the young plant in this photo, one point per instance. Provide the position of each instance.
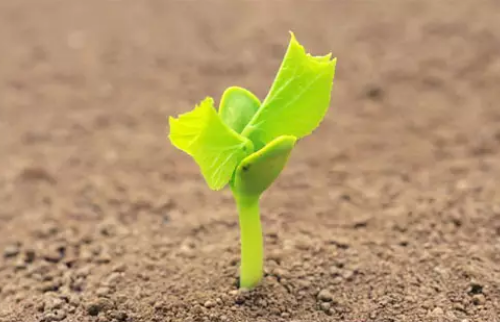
(247, 143)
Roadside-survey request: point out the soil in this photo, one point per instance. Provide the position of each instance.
(390, 211)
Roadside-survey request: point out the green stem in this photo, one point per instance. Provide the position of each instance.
(252, 248)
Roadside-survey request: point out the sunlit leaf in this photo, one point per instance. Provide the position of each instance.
(215, 147)
(298, 99)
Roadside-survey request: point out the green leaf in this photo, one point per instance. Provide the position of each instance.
(258, 171)
(298, 99)
(237, 107)
(215, 147)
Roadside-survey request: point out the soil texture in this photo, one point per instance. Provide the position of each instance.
(390, 211)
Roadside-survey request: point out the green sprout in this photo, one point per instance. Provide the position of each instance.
(247, 143)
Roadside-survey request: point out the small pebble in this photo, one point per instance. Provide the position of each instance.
(325, 307)
(159, 306)
(335, 271)
(113, 279)
(11, 251)
(341, 243)
(277, 256)
(119, 268)
(437, 311)
(209, 304)
(78, 284)
(20, 264)
(102, 291)
(54, 304)
(239, 300)
(304, 283)
(479, 299)
(52, 255)
(325, 296)
(348, 275)
(337, 280)
(83, 272)
(275, 311)
(279, 272)
(103, 318)
(103, 258)
(197, 309)
(58, 315)
(50, 286)
(119, 315)
(46, 230)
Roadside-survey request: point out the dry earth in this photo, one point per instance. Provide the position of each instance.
(389, 212)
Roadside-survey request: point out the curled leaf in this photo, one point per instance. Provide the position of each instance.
(215, 147)
(237, 107)
(258, 171)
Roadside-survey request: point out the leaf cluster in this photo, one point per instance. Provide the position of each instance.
(247, 142)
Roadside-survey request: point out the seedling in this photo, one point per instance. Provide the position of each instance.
(247, 143)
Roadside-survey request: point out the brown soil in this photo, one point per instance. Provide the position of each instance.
(389, 212)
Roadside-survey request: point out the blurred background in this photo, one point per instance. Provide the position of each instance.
(391, 208)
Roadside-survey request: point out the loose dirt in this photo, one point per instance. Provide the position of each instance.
(389, 212)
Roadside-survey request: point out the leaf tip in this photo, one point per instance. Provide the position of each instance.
(171, 120)
(294, 41)
(320, 59)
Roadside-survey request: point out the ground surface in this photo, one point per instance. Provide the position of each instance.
(390, 211)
